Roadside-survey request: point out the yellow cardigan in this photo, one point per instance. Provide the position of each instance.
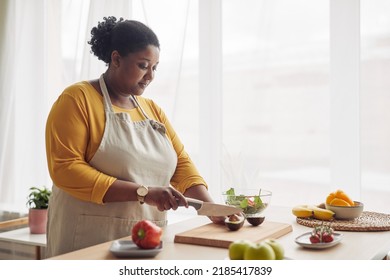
(74, 130)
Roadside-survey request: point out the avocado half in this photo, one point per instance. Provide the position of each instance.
(234, 222)
(255, 221)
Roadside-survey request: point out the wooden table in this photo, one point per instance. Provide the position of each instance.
(20, 244)
(354, 246)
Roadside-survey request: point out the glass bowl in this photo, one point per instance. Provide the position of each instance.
(253, 202)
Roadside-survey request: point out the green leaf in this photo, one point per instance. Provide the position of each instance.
(244, 203)
(38, 198)
(258, 202)
(230, 191)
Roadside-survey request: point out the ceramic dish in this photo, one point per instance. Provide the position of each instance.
(346, 212)
(128, 249)
(304, 241)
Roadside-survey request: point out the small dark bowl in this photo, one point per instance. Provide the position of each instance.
(255, 221)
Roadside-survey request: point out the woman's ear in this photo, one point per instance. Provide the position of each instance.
(115, 59)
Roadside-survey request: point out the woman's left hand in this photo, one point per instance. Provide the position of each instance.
(200, 192)
(219, 220)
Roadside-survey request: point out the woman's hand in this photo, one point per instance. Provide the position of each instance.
(165, 198)
(220, 220)
(200, 192)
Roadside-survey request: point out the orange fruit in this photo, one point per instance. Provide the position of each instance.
(341, 194)
(330, 197)
(339, 202)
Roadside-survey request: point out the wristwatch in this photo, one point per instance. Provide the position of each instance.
(142, 191)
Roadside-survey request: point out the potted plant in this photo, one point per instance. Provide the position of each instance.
(38, 202)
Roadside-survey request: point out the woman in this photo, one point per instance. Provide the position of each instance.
(113, 156)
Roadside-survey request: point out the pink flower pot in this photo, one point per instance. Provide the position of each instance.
(37, 220)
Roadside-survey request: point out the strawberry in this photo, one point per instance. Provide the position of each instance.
(322, 233)
(326, 237)
(315, 238)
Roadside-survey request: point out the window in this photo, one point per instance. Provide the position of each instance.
(375, 103)
(275, 101)
(276, 98)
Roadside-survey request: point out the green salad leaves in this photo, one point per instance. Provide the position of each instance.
(249, 204)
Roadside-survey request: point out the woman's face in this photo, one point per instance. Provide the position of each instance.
(135, 71)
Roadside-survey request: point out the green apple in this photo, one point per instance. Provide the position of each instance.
(237, 249)
(259, 251)
(277, 247)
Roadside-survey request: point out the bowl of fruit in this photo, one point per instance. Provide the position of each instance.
(253, 202)
(346, 212)
(343, 206)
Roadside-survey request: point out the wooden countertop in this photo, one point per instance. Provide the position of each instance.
(354, 245)
(23, 236)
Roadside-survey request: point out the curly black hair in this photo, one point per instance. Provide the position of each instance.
(124, 36)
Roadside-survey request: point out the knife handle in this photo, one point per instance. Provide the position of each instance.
(196, 203)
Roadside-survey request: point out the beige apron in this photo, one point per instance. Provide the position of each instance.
(138, 152)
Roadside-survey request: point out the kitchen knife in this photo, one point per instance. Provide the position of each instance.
(212, 209)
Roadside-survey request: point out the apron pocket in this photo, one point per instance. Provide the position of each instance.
(91, 230)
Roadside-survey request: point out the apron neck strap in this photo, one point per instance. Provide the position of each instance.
(106, 96)
(135, 101)
(107, 100)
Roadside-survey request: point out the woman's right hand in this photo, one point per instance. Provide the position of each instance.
(165, 198)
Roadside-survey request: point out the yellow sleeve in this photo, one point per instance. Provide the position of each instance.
(69, 130)
(186, 174)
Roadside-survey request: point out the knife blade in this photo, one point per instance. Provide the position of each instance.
(212, 209)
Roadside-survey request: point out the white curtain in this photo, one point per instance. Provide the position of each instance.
(43, 49)
(22, 100)
(33, 73)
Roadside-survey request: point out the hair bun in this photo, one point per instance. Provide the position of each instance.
(101, 38)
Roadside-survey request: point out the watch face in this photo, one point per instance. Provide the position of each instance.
(142, 191)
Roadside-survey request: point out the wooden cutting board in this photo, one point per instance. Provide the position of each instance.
(219, 236)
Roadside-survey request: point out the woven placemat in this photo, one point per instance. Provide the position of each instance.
(368, 221)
